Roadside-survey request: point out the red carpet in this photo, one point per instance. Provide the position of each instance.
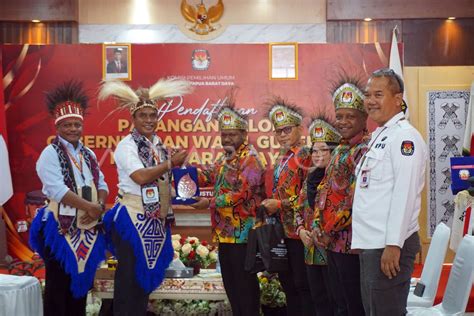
(443, 281)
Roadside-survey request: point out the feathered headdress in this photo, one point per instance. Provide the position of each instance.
(283, 113)
(143, 97)
(347, 93)
(67, 100)
(322, 129)
(229, 116)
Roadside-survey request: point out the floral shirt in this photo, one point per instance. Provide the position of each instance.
(333, 208)
(238, 191)
(304, 215)
(289, 173)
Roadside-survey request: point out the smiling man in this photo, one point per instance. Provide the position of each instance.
(140, 220)
(64, 232)
(237, 178)
(333, 208)
(388, 199)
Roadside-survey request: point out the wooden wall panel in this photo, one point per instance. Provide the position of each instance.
(438, 42)
(398, 9)
(360, 31)
(427, 42)
(39, 33)
(44, 10)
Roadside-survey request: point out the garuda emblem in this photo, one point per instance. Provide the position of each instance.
(203, 20)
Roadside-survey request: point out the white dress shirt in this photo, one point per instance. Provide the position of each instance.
(127, 161)
(390, 178)
(50, 174)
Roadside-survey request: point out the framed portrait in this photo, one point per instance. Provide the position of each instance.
(116, 61)
(283, 61)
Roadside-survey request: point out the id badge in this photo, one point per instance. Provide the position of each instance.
(150, 195)
(364, 178)
(66, 210)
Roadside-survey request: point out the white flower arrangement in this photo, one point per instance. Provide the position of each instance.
(191, 251)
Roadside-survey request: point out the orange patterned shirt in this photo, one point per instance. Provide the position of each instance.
(333, 208)
(289, 174)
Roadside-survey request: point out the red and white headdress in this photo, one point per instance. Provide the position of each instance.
(68, 100)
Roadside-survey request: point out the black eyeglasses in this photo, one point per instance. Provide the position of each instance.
(285, 130)
(387, 72)
(320, 152)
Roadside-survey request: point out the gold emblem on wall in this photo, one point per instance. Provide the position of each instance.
(203, 21)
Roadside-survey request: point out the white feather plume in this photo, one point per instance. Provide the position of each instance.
(169, 88)
(124, 94)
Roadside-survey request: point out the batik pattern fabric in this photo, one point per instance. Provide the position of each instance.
(333, 208)
(290, 171)
(238, 191)
(313, 255)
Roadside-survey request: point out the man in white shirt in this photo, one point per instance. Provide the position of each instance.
(139, 222)
(387, 201)
(64, 232)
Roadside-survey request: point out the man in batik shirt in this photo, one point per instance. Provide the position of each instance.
(237, 178)
(290, 170)
(333, 208)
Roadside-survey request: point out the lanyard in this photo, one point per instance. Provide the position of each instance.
(280, 169)
(76, 163)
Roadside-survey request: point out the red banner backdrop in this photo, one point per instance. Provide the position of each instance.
(29, 71)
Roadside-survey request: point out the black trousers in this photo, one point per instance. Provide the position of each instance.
(344, 272)
(295, 281)
(318, 278)
(129, 297)
(241, 286)
(58, 299)
(381, 295)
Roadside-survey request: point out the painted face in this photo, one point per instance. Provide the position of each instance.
(232, 139)
(320, 154)
(288, 136)
(380, 102)
(145, 121)
(350, 122)
(70, 129)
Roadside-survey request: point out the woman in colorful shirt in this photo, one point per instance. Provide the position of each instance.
(324, 138)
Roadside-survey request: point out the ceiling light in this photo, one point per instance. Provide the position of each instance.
(368, 19)
(35, 21)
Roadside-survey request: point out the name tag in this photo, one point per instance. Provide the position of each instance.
(150, 195)
(364, 178)
(66, 210)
